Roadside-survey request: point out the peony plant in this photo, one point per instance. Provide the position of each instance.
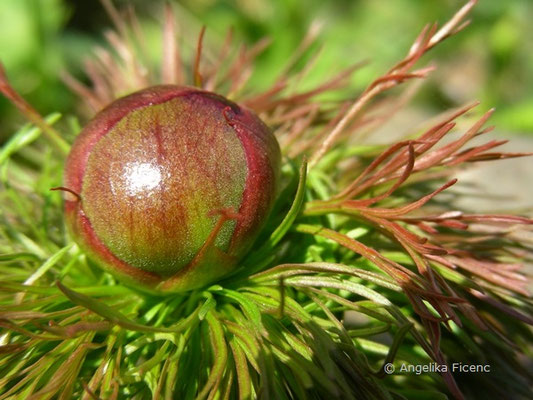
(201, 259)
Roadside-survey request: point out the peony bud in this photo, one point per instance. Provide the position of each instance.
(173, 185)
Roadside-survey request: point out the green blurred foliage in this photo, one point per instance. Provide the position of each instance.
(34, 48)
(490, 61)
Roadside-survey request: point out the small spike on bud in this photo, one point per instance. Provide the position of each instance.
(174, 185)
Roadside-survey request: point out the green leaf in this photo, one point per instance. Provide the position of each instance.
(356, 288)
(370, 331)
(18, 257)
(159, 356)
(47, 265)
(243, 373)
(117, 317)
(209, 304)
(295, 209)
(288, 270)
(249, 308)
(24, 136)
(220, 356)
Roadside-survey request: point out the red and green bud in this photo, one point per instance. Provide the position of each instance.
(172, 186)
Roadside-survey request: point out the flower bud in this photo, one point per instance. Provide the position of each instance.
(173, 185)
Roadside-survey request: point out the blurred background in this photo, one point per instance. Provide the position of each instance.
(492, 60)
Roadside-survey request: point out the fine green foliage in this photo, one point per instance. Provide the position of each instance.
(358, 268)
